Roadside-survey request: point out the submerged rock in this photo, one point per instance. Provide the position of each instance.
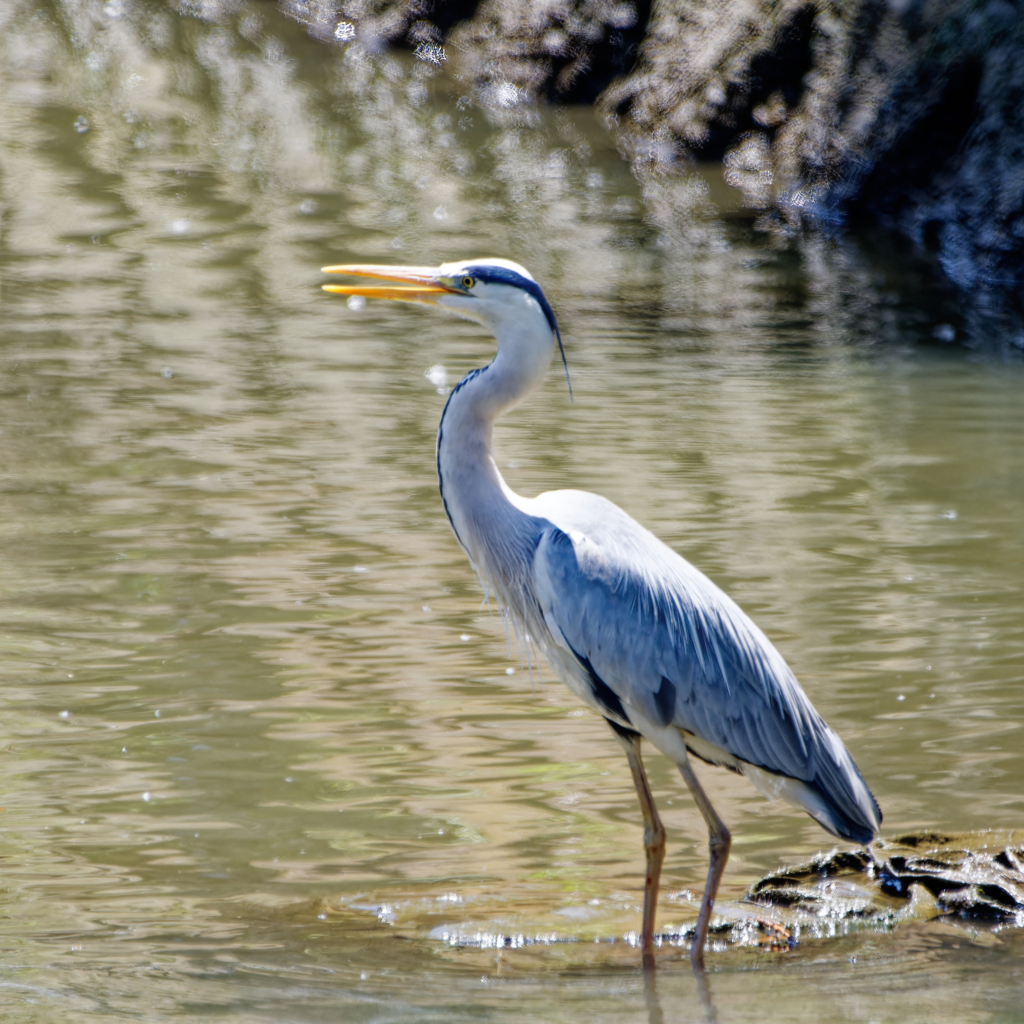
(977, 876)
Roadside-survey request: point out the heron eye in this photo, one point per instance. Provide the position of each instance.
(468, 282)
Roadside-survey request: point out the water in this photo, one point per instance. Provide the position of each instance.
(263, 754)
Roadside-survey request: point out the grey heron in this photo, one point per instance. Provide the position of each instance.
(636, 632)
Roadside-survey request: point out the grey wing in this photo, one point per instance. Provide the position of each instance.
(660, 641)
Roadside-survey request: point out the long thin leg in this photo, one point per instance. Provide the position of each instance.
(654, 834)
(719, 843)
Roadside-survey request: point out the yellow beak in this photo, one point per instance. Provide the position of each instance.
(419, 284)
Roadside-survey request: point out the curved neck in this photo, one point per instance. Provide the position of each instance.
(488, 518)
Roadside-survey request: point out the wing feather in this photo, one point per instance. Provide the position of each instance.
(638, 617)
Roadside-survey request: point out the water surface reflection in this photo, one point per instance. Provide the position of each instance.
(260, 741)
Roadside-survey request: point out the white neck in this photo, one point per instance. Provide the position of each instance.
(488, 517)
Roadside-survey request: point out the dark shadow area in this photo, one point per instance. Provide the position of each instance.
(582, 75)
(926, 156)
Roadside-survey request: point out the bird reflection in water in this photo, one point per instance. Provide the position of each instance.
(655, 1014)
(637, 633)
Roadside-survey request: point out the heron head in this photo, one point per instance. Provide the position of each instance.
(497, 293)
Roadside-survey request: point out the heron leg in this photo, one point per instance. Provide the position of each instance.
(654, 833)
(719, 843)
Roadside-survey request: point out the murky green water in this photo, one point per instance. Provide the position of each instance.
(262, 754)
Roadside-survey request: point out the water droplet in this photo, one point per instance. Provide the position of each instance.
(437, 375)
(81, 124)
(308, 206)
(64, 714)
(951, 514)
(167, 372)
(901, 697)
(147, 796)
(360, 568)
(356, 302)
(464, 637)
(180, 226)
(510, 671)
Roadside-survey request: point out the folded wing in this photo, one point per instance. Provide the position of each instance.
(669, 647)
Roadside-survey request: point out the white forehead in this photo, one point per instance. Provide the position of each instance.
(453, 269)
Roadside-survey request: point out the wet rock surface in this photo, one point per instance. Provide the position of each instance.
(905, 116)
(969, 876)
(970, 880)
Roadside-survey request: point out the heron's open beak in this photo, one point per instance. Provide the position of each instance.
(419, 284)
